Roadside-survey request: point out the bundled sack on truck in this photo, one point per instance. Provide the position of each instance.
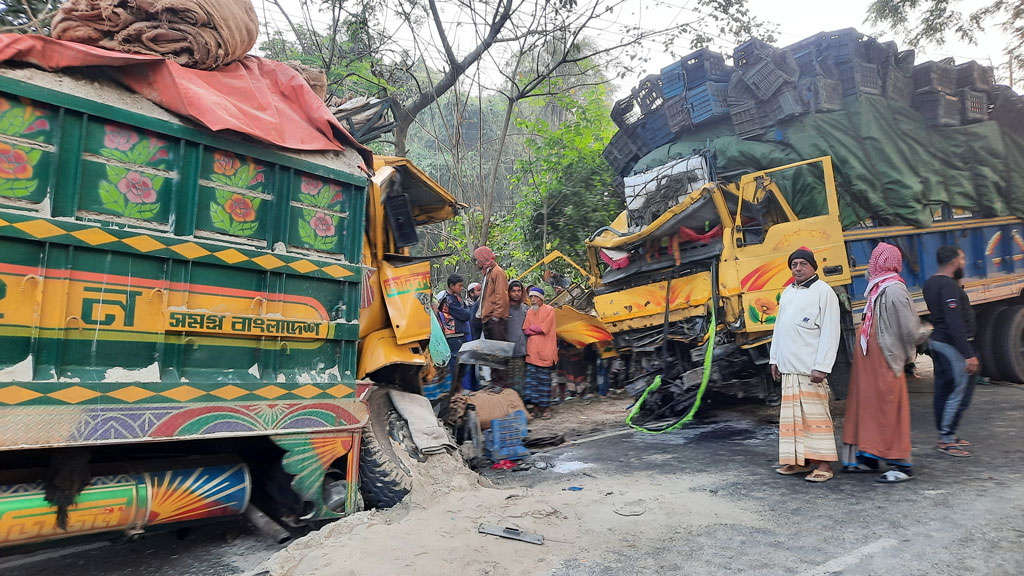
(202, 34)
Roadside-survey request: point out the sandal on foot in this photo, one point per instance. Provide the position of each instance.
(819, 476)
(961, 442)
(790, 469)
(893, 477)
(953, 450)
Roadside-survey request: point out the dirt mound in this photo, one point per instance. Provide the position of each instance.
(434, 531)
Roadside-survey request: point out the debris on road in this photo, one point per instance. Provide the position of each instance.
(511, 533)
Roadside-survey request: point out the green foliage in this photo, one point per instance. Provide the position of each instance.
(27, 16)
(936, 21)
(565, 184)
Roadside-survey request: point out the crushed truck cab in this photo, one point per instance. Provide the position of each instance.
(723, 244)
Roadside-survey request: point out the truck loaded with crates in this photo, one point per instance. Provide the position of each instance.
(196, 323)
(835, 143)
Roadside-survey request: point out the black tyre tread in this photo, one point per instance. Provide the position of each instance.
(986, 322)
(1006, 342)
(384, 480)
(382, 483)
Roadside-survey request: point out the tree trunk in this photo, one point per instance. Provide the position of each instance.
(487, 208)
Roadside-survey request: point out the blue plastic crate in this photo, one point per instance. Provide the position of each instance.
(673, 80)
(504, 441)
(707, 101)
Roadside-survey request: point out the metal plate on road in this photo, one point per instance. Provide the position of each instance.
(513, 533)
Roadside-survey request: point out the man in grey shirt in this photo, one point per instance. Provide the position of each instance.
(516, 375)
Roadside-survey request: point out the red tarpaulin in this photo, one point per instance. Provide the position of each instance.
(262, 98)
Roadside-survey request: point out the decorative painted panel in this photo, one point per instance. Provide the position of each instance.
(127, 173)
(26, 149)
(231, 195)
(318, 219)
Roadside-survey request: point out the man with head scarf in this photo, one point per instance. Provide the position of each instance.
(804, 345)
(516, 375)
(541, 352)
(493, 305)
(877, 422)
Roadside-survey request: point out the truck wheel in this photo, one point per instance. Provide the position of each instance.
(384, 480)
(985, 337)
(1008, 344)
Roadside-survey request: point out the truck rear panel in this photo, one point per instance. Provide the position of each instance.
(160, 282)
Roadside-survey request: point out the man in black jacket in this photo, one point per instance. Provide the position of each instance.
(454, 316)
(952, 348)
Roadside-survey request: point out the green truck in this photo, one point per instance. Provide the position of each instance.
(180, 317)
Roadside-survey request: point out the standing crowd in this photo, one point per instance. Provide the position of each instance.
(497, 309)
(876, 432)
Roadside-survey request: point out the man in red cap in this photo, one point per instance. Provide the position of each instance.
(804, 345)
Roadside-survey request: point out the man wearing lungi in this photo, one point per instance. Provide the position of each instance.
(804, 345)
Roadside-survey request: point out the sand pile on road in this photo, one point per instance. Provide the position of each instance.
(434, 532)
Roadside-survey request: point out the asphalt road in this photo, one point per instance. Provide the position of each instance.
(959, 515)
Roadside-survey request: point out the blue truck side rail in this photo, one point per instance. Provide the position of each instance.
(993, 249)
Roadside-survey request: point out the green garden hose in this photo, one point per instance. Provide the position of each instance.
(700, 392)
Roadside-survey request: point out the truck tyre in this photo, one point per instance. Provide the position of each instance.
(985, 337)
(384, 479)
(1008, 344)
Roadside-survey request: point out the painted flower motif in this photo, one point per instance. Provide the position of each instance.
(256, 179)
(337, 196)
(766, 306)
(225, 163)
(137, 188)
(322, 224)
(311, 186)
(240, 208)
(119, 138)
(41, 124)
(13, 163)
(4, 105)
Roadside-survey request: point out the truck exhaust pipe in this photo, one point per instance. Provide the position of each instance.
(266, 525)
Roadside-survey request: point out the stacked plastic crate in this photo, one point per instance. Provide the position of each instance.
(763, 90)
(818, 85)
(974, 83)
(896, 69)
(643, 125)
(851, 53)
(935, 93)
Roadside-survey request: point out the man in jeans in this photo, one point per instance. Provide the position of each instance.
(952, 347)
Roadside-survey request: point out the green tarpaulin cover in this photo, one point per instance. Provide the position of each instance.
(889, 166)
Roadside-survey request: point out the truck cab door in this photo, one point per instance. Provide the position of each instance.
(767, 230)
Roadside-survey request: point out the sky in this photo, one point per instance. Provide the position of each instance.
(796, 19)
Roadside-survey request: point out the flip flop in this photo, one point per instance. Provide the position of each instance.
(790, 469)
(819, 476)
(961, 442)
(894, 477)
(953, 450)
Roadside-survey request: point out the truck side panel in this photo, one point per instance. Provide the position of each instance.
(993, 247)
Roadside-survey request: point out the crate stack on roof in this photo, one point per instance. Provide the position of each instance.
(767, 85)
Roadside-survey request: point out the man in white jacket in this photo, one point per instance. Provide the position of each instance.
(804, 345)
